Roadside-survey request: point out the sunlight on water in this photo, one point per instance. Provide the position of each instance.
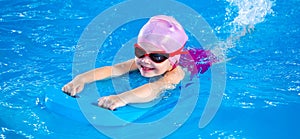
(241, 17)
(38, 41)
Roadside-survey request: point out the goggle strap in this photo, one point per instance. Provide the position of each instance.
(178, 52)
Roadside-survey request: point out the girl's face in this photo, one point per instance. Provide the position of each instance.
(149, 68)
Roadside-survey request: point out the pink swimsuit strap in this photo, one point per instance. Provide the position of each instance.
(197, 61)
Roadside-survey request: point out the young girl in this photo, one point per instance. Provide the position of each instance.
(157, 52)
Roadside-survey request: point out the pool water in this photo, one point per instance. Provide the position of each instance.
(262, 96)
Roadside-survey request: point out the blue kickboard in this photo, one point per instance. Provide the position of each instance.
(84, 109)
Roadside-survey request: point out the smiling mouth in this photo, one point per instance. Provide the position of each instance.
(146, 68)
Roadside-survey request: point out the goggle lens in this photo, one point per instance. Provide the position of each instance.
(155, 57)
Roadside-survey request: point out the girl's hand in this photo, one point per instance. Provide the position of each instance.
(111, 102)
(75, 86)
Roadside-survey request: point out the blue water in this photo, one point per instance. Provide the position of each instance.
(262, 96)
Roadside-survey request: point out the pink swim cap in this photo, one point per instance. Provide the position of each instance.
(165, 33)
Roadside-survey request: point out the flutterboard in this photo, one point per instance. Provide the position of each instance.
(84, 109)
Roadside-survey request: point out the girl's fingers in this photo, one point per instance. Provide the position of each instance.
(64, 88)
(67, 88)
(80, 88)
(105, 102)
(73, 92)
(112, 107)
(101, 101)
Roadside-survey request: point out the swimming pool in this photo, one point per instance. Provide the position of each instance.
(262, 96)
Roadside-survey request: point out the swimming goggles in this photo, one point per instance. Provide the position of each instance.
(156, 56)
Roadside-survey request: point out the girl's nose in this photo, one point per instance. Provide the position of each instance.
(146, 60)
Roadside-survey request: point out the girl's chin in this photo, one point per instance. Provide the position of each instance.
(148, 76)
(147, 73)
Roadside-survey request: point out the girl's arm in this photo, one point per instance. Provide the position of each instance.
(108, 71)
(77, 84)
(145, 93)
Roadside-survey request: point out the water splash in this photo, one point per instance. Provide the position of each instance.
(250, 13)
(241, 17)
